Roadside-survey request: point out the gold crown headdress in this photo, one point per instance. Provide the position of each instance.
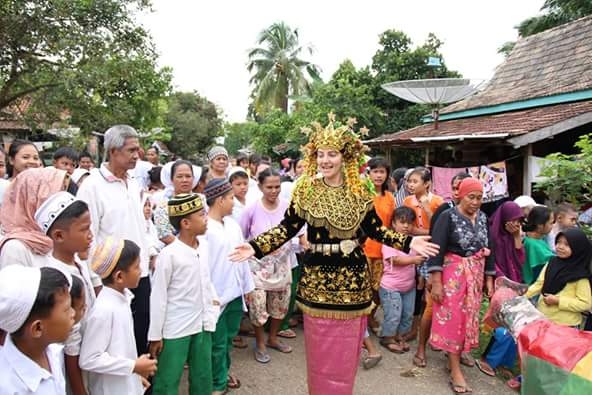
(341, 138)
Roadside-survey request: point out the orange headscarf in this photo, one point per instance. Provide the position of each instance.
(23, 197)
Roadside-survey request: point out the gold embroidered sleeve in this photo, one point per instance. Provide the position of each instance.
(275, 237)
(373, 227)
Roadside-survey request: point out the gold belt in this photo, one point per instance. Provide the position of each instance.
(344, 246)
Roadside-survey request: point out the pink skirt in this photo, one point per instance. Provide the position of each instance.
(333, 350)
(455, 321)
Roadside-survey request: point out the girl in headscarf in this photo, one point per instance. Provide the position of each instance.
(564, 283)
(504, 228)
(23, 242)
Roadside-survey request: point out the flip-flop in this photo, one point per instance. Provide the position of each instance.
(233, 382)
(287, 334)
(371, 361)
(281, 347)
(419, 361)
(483, 369)
(262, 356)
(467, 360)
(238, 342)
(459, 388)
(388, 345)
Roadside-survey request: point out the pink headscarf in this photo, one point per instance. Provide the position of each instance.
(23, 197)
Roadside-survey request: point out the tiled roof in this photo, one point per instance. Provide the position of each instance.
(12, 125)
(555, 61)
(513, 123)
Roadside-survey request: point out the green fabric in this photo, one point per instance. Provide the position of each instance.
(295, 278)
(196, 350)
(544, 378)
(227, 328)
(537, 253)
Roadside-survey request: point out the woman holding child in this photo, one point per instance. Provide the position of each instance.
(334, 291)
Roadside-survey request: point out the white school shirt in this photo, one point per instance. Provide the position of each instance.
(231, 279)
(72, 343)
(15, 252)
(108, 350)
(237, 209)
(115, 210)
(181, 302)
(21, 375)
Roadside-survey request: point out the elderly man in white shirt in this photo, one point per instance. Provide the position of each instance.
(115, 204)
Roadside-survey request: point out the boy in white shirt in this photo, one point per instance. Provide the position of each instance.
(67, 222)
(108, 350)
(35, 311)
(231, 280)
(184, 306)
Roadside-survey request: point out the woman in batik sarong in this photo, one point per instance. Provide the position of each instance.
(457, 274)
(334, 291)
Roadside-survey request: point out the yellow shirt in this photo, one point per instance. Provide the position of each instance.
(574, 299)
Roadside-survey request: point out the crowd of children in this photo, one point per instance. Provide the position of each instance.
(65, 307)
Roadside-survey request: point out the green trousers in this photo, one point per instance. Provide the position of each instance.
(227, 328)
(295, 278)
(196, 350)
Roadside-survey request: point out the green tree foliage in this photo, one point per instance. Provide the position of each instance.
(278, 71)
(555, 13)
(86, 59)
(568, 178)
(349, 92)
(396, 61)
(276, 134)
(194, 123)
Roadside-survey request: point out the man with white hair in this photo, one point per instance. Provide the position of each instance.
(115, 205)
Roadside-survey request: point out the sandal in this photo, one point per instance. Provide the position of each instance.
(262, 356)
(281, 347)
(467, 360)
(371, 361)
(233, 382)
(485, 368)
(392, 345)
(239, 343)
(419, 361)
(287, 334)
(514, 383)
(459, 388)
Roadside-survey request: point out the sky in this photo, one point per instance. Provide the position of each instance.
(206, 43)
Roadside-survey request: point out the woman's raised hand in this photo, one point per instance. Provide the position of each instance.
(422, 245)
(242, 253)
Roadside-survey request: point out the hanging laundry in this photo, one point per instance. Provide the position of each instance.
(495, 181)
(441, 177)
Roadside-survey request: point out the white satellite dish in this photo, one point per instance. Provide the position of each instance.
(435, 91)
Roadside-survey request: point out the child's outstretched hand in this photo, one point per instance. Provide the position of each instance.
(145, 366)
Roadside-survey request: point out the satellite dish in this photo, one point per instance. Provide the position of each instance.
(435, 91)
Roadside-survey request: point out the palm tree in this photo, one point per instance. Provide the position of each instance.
(278, 70)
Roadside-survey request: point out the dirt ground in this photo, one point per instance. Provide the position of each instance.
(394, 375)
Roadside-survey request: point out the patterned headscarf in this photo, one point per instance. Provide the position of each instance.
(27, 192)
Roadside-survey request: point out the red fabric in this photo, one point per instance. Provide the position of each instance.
(559, 345)
(469, 185)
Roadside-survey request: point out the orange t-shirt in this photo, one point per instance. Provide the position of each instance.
(384, 206)
(423, 220)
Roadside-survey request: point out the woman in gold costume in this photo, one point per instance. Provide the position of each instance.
(334, 291)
